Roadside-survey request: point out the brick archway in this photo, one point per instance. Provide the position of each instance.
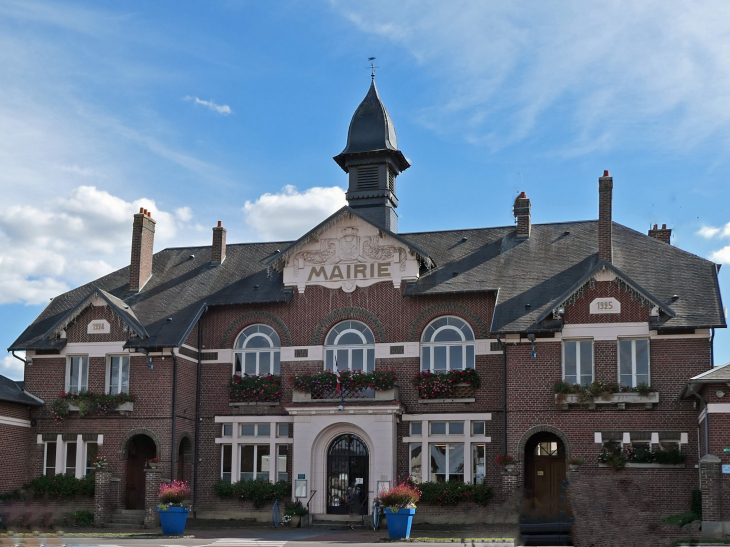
(520, 452)
(438, 310)
(124, 445)
(343, 314)
(250, 318)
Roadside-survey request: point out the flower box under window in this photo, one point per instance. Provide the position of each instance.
(331, 395)
(618, 399)
(649, 465)
(122, 408)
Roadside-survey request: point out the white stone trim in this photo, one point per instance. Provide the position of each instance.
(17, 422)
(466, 416)
(410, 350)
(252, 419)
(605, 331)
(718, 408)
(314, 353)
(699, 333)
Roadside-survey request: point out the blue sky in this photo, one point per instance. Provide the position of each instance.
(232, 111)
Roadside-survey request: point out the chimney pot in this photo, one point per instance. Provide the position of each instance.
(655, 226)
(663, 234)
(143, 238)
(141, 210)
(606, 173)
(218, 251)
(664, 226)
(522, 211)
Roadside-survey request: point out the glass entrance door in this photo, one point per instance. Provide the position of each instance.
(347, 476)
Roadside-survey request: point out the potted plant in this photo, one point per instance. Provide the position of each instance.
(399, 506)
(506, 462)
(172, 509)
(100, 462)
(575, 463)
(295, 512)
(154, 463)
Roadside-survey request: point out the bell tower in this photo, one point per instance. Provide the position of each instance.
(373, 162)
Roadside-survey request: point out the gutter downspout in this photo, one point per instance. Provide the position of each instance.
(26, 363)
(504, 391)
(712, 349)
(197, 414)
(174, 414)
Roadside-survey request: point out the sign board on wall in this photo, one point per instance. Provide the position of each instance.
(605, 305)
(98, 326)
(726, 449)
(726, 469)
(351, 254)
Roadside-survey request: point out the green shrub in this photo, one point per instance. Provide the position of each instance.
(90, 404)
(681, 519)
(58, 487)
(83, 517)
(258, 491)
(452, 493)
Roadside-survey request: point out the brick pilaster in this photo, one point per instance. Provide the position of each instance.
(710, 484)
(102, 497)
(151, 497)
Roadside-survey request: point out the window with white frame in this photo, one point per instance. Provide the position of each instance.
(118, 374)
(49, 458)
(478, 462)
(416, 428)
(255, 461)
(227, 430)
(226, 462)
(478, 428)
(282, 457)
(447, 462)
(447, 428)
(282, 430)
(77, 373)
(351, 346)
(633, 362)
(92, 451)
(578, 362)
(447, 344)
(255, 430)
(257, 351)
(414, 461)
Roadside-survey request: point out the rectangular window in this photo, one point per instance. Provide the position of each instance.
(282, 430)
(447, 357)
(227, 430)
(255, 461)
(478, 428)
(447, 462)
(478, 463)
(118, 374)
(438, 428)
(416, 428)
(441, 428)
(633, 362)
(414, 458)
(255, 430)
(578, 362)
(281, 461)
(92, 451)
(71, 459)
(78, 374)
(50, 459)
(226, 461)
(456, 428)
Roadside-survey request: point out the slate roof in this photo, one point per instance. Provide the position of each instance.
(12, 392)
(720, 374)
(538, 271)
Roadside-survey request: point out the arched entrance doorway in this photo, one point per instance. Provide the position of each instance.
(347, 476)
(544, 472)
(140, 449)
(184, 457)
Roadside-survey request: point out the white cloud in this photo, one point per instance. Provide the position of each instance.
(12, 367)
(290, 213)
(651, 73)
(47, 248)
(222, 109)
(709, 232)
(722, 256)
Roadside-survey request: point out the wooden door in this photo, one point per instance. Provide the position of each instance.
(546, 473)
(140, 449)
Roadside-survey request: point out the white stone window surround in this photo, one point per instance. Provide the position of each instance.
(626, 439)
(634, 373)
(124, 357)
(17, 422)
(236, 440)
(349, 338)
(447, 333)
(81, 382)
(579, 364)
(467, 438)
(81, 447)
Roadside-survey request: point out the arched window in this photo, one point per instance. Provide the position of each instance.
(257, 351)
(351, 345)
(447, 344)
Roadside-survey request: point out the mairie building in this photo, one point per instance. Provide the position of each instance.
(451, 348)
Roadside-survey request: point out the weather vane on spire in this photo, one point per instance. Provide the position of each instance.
(372, 67)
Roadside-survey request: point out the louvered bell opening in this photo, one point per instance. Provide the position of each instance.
(367, 177)
(391, 181)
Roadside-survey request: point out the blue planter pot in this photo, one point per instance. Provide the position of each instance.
(399, 524)
(173, 520)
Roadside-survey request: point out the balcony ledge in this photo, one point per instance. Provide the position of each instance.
(384, 395)
(649, 465)
(433, 401)
(618, 399)
(255, 403)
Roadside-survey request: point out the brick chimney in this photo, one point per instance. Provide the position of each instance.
(143, 238)
(662, 234)
(218, 254)
(605, 222)
(521, 211)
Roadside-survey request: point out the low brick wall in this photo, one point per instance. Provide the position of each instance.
(43, 513)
